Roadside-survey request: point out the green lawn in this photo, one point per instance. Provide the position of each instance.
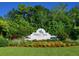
(24, 51)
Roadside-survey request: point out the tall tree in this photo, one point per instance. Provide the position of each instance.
(74, 14)
(60, 23)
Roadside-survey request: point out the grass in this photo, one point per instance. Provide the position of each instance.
(24, 51)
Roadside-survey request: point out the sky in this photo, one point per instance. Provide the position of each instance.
(5, 7)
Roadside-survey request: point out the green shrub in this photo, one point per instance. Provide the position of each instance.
(68, 44)
(73, 44)
(3, 41)
(43, 44)
(12, 43)
(35, 44)
(28, 43)
(63, 45)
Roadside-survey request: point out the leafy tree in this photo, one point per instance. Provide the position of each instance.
(74, 14)
(19, 28)
(3, 27)
(38, 16)
(60, 23)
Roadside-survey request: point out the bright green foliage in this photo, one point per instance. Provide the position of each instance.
(19, 28)
(3, 27)
(3, 41)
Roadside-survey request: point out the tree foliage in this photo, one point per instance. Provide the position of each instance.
(26, 19)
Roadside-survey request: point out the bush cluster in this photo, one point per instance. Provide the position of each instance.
(45, 43)
(3, 41)
(35, 43)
